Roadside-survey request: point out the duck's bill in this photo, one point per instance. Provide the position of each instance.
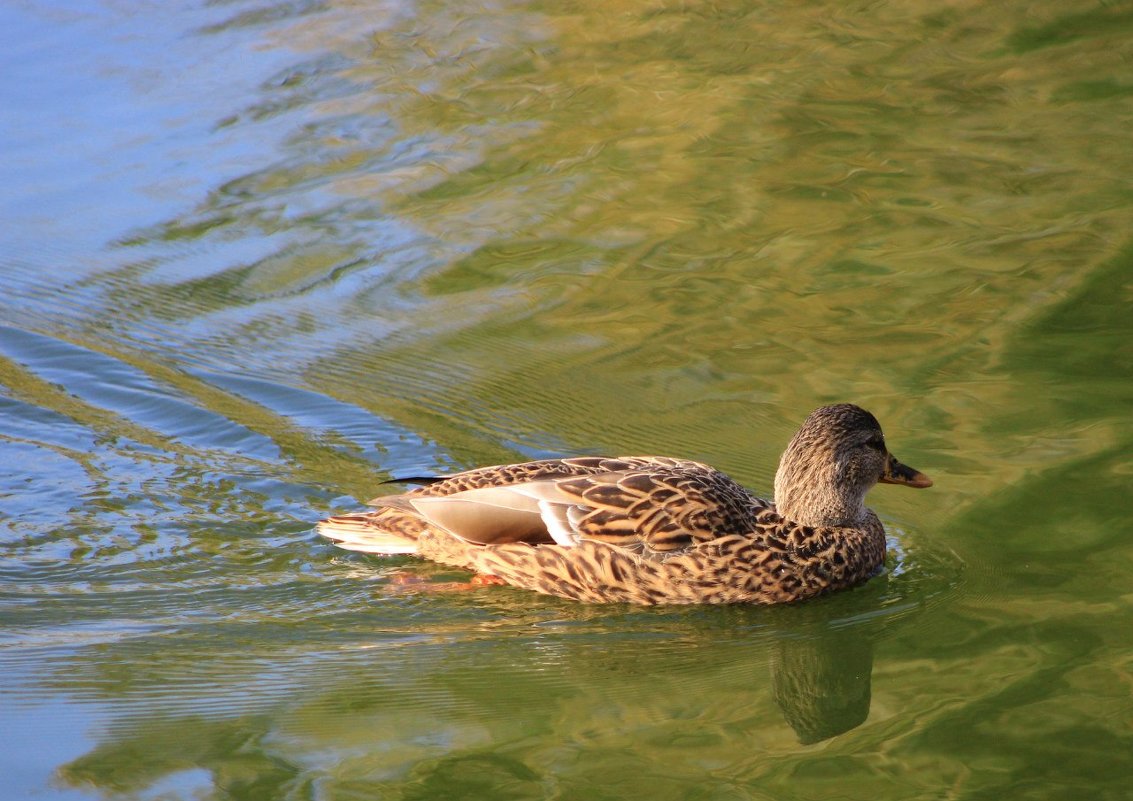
(897, 473)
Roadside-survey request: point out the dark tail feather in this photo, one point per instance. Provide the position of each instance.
(424, 480)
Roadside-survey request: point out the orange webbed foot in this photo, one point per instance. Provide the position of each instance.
(487, 580)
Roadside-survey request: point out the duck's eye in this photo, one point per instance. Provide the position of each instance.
(876, 442)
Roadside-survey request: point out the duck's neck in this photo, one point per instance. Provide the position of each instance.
(812, 498)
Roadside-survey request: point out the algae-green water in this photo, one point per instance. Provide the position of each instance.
(257, 257)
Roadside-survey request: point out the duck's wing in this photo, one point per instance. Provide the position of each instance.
(661, 509)
(487, 505)
(502, 475)
(649, 505)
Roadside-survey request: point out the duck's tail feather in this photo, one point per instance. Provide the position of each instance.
(424, 480)
(357, 533)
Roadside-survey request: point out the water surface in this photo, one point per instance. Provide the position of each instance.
(259, 257)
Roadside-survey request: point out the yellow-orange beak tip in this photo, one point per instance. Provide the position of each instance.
(897, 473)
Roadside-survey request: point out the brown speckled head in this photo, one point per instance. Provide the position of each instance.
(836, 457)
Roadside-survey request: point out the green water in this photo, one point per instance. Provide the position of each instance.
(257, 257)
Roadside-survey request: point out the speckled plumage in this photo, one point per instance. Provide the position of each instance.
(651, 529)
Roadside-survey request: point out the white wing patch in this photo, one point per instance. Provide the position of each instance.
(556, 516)
(533, 512)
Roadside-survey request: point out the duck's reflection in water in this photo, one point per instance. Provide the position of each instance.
(821, 681)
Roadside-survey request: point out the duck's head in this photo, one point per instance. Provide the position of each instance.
(832, 462)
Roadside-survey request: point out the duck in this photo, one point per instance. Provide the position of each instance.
(652, 530)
